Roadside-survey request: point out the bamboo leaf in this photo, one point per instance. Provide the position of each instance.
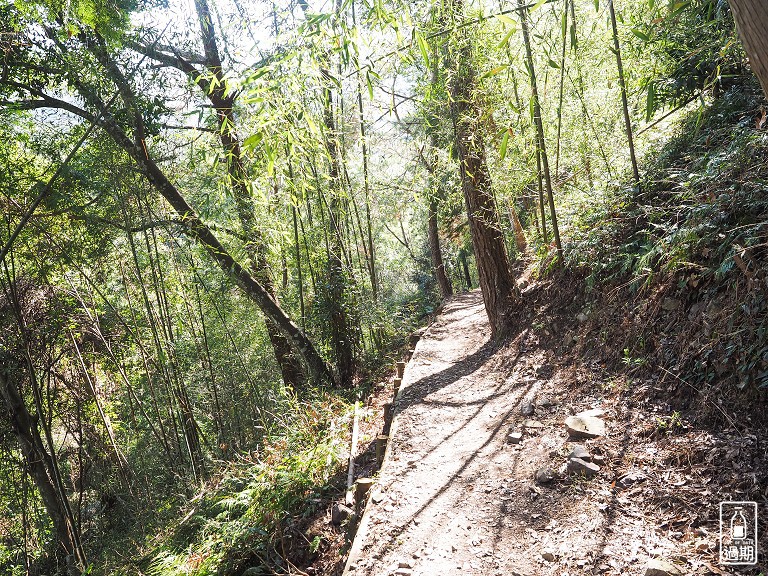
(311, 124)
(494, 71)
(640, 34)
(369, 83)
(650, 101)
(538, 5)
(552, 63)
(505, 40)
(252, 141)
(506, 19)
(678, 7)
(423, 46)
(504, 143)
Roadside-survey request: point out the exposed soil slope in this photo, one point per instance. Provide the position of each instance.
(455, 497)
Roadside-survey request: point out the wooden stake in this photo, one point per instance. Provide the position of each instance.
(400, 369)
(362, 487)
(353, 447)
(381, 447)
(387, 417)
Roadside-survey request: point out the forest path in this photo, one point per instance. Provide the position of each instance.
(454, 497)
(429, 509)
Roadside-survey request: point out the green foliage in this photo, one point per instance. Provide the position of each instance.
(240, 518)
(698, 227)
(693, 46)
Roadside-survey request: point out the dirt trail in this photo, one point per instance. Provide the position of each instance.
(454, 497)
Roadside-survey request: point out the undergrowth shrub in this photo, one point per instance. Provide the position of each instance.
(696, 238)
(252, 511)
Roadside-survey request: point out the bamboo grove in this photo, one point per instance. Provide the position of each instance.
(216, 212)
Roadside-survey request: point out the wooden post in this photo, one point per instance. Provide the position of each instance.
(400, 369)
(396, 387)
(387, 417)
(362, 487)
(381, 448)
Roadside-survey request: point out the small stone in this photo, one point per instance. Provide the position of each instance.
(548, 555)
(515, 437)
(670, 304)
(579, 466)
(544, 370)
(403, 572)
(527, 408)
(661, 567)
(581, 317)
(404, 564)
(580, 452)
(597, 459)
(532, 424)
(630, 478)
(584, 426)
(340, 514)
(544, 475)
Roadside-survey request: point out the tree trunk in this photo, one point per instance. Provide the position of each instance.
(38, 459)
(751, 19)
(342, 334)
(624, 103)
(224, 103)
(520, 241)
(496, 282)
(540, 142)
(465, 268)
(446, 290)
(433, 123)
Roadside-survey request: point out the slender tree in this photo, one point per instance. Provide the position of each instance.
(540, 141)
(624, 103)
(500, 293)
(21, 305)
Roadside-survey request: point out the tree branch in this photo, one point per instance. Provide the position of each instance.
(46, 101)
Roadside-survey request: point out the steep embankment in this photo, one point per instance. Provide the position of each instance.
(456, 495)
